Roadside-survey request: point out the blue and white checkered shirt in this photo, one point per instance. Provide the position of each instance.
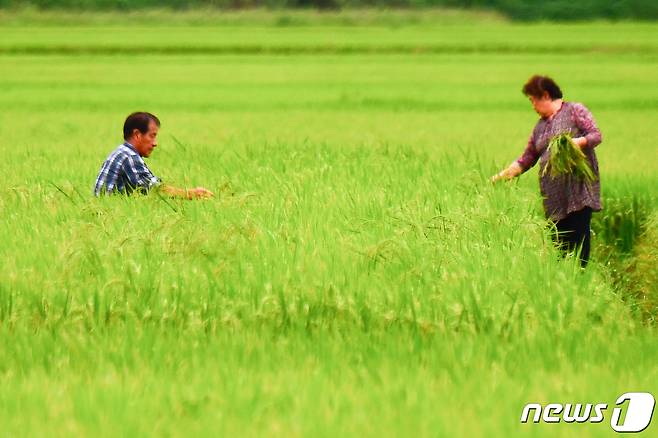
(124, 171)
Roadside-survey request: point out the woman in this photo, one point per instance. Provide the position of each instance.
(568, 201)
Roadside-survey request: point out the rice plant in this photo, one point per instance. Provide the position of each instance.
(567, 159)
(355, 275)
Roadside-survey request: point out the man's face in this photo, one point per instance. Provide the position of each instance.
(145, 143)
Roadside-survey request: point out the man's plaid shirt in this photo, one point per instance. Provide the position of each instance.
(124, 171)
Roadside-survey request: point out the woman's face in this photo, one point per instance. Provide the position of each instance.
(542, 105)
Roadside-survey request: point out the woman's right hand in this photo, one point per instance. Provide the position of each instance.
(510, 172)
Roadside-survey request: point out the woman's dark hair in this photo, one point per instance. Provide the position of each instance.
(538, 85)
(139, 120)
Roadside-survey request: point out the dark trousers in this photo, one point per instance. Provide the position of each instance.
(573, 233)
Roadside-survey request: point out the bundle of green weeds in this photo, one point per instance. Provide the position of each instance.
(566, 158)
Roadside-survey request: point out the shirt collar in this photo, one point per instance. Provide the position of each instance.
(129, 145)
(556, 112)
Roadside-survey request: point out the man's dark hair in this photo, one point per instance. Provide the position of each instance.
(538, 85)
(139, 120)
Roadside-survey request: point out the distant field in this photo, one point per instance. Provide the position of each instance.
(356, 273)
(307, 35)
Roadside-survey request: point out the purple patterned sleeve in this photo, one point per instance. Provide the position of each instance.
(585, 122)
(530, 154)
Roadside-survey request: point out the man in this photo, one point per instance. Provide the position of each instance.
(125, 171)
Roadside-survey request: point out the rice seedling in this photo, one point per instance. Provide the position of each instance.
(567, 159)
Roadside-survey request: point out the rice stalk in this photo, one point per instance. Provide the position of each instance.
(566, 158)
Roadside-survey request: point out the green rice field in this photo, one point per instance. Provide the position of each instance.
(356, 273)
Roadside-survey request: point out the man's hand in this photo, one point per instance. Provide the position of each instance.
(199, 193)
(195, 193)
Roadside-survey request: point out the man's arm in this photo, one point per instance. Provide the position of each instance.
(176, 192)
(139, 176)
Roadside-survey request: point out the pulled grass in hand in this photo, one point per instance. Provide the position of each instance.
(566, 158)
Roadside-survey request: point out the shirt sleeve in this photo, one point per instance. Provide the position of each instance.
(585, 122)
(530, 155)
(139, 175)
